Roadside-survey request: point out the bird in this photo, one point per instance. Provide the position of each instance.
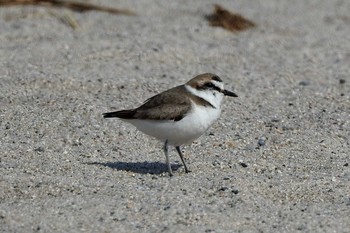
(179, 115)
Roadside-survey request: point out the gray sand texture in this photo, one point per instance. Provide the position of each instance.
(276, 161)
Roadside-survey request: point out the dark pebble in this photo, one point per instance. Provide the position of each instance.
(275, 120)
(262, 142)
(222, 189)
(341, 81)
(39, 149)
(304, 83)
(209, 230)
(243, 164)
(235, 191)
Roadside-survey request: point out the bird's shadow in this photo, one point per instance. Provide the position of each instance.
(138, 167)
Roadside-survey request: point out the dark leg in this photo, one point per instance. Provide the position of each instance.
(182, 158)
(167, 157)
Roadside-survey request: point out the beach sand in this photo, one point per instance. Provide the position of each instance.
(276, 161)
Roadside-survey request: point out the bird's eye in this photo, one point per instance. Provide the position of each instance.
(209, 85)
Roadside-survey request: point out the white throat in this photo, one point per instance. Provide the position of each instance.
(212, 96)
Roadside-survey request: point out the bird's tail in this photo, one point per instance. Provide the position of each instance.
(124, 114)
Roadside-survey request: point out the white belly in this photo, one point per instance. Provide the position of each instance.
(180, 132)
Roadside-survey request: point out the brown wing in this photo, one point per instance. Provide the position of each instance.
(168, 105)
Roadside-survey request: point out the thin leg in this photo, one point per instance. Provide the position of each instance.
(182, 158)
(167, 157)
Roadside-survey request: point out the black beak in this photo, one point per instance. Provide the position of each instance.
(229, 93)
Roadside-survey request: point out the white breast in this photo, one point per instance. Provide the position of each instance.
(185, 131)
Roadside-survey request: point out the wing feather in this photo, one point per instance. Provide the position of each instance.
(168, 105)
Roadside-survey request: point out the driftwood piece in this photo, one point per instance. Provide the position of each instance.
(76, 6)
(228, 20)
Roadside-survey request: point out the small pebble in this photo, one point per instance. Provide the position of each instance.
(222, 189)
(262, 141)
(275, 119)
(243, 164)
(341, 81)
(304, 83)
(235, 191)
(39, 149)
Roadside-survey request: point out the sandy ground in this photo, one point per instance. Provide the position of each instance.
(276, 161)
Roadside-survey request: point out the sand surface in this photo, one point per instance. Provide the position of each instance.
(276, 161)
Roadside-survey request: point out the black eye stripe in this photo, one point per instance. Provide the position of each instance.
(209, 86)
(217, 89)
